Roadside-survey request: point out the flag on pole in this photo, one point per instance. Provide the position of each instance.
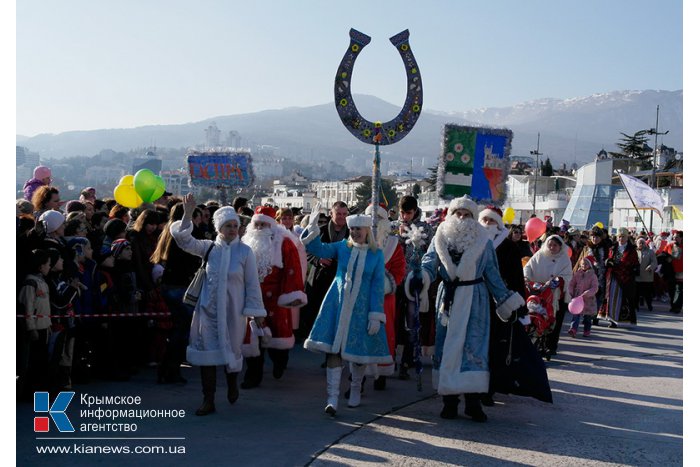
(642, 195)
(677, 213)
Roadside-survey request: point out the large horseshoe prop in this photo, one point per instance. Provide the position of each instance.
(378, 133)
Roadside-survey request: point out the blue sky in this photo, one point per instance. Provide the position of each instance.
(85, 65)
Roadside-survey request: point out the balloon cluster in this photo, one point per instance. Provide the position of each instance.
(142, 187)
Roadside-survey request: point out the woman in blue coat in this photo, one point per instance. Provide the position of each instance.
(350, 323)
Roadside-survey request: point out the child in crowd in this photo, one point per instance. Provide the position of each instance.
(33, 328)
(584, 283)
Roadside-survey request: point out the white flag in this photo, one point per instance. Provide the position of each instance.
(642, 195)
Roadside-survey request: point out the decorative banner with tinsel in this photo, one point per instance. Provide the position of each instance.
(216, 168)
(474, 162)
(378, 132)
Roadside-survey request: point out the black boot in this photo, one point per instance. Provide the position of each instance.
(472, 407)
(208, 389)
(254, 372)
(487, 400)
(449, 406)
(232, 381)
(280, 358)
(380, 383)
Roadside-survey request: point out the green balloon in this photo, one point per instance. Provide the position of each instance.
(147, 186)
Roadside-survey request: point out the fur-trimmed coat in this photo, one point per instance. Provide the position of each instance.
(282, 286)
(230, 293)
(461, 360)
(342, 322)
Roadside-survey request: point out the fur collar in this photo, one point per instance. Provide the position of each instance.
(470, 255)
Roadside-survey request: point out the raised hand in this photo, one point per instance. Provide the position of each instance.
(190, 204)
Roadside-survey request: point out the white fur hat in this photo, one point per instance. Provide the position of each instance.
(463, 202)
(359, 220)
(223, 215)
(52, 220)
(381, 212)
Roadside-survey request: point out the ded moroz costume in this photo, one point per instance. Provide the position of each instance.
(463, 254)
(282, 286)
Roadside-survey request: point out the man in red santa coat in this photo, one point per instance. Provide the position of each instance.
(282, 286)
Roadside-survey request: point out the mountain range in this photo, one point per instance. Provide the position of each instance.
(571, 130)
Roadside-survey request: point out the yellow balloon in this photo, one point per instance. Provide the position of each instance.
(126, 196)
(127, 180)
(509, 215)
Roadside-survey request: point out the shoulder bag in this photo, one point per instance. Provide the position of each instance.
(195, 288)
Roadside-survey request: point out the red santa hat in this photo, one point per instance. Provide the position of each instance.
(590, 259)
(492, 212)
(265, 214)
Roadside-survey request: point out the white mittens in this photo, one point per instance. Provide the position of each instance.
(373, 327)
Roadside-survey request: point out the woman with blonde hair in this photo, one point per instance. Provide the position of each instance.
(350, 323)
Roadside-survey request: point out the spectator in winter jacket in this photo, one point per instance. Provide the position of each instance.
(645, 278)
(42, 177)
(584, 283)
(33, 328)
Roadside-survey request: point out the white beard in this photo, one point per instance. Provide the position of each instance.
(460, 233)
(260, 241)
(492, 230)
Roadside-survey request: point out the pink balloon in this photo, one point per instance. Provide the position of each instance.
(534, 228)
(576, 305)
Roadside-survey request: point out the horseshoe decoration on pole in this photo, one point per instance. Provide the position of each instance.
(378, 133)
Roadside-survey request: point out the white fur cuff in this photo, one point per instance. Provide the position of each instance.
(287, 298)
(389, 283)
(378, 315)
(507, 307)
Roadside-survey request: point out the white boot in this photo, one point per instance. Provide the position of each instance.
(357, 372)
(333, 389)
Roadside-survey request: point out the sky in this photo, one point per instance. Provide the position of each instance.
(84, 65)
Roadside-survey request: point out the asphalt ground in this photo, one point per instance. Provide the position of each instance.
(618, 400)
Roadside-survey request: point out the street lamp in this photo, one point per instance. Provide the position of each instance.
(537, 154)
(654, 131)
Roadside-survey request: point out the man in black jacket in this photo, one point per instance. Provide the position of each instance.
(322, 271)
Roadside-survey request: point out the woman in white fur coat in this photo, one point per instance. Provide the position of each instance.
(230, 294)
(552, 262)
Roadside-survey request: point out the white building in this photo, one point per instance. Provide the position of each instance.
(552, 197)
(330, 192)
